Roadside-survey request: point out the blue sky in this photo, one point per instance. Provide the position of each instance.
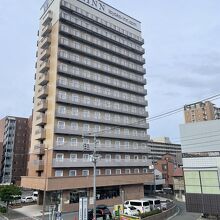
(181, 41)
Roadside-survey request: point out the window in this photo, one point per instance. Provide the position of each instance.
(107, 116)
(85, 173)
(136, 170)
(61, 124)
(87, 100)
(97, 115)
(60, 140)
(127, 144)
(108, 156)
(73, 157)
(126, 131)
(72, 173)
(117, 144)
(85, 156)
(144, 170)
(164, 167)
(62, 95)
(108, 172)
(144, 157)
(74, 125)
(136, 157)
(118, 157)
(86, 113)
(59, 157)
(74, 195)
(108, 143)
(97, 128)
(75, 111)
(75, 98)
(58, 173)
(62, 109)
(85, 127)
(127, 157)
(74, 142)
(127, 171)
(135, 132)
(98, 172)
(135, 145)
(118, 171)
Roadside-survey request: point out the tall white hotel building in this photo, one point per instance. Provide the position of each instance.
(89, 78)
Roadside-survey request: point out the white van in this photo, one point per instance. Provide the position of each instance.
(35, 196)
(154, 203)
(141, 205)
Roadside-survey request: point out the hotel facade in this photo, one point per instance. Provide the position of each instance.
(89, 80)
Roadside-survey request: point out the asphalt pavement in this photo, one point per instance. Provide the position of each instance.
(183, 214)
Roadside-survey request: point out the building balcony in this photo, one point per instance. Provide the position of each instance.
(70, 71)
(41, 106)
(45, 42)
(47, 18)
(101, 92)
(80, 132)
(45, 54)
(40, 134)
(43, 79)
(41, 119)
(68, 146)
(46, 30)
(44, 66)
(67, 18)
(102, 106)
(102, 120)
(68, 163)
(71, 32)
(62, 183)
(38, 165)
(39, 149)
(121, 62)
(42, 92)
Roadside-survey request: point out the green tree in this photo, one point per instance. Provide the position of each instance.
(7, 192)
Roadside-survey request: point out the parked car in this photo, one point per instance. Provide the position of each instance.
(141, 205)
(16, 200)
(154, 203)
(35, 196)
(131, 211)
(27, 199)
(102, 211)
(165, 203)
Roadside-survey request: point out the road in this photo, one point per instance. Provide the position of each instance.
(183, 215)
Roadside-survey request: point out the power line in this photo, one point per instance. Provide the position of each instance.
(157, 117)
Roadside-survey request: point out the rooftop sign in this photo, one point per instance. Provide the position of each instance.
(114, 13)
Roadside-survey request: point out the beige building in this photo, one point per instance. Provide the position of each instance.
(201, 111)
(89, 78)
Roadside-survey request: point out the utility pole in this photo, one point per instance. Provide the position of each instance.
(45, 183)
(94, 158)
(154, 175)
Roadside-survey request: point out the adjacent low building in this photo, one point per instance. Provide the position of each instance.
(201, 165)
(158, 149)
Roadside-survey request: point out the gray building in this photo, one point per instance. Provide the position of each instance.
(201, 164)
(14, 135)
